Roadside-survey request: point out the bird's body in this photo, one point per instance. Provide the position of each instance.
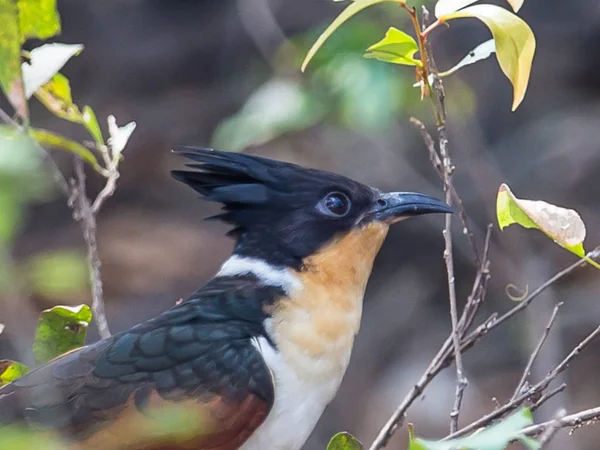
(253, 357)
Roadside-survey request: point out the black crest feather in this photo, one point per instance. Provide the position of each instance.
(271, 204)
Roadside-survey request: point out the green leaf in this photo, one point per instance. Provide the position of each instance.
(563, 226)
(344, 441)
(351, 10)
(55, 95)
(515, 43)
(496, 437)
(60, 329)
(396, 47)
(57, 274)
(54, 140)
(11, 78)
(11, 370)
(91, 123)
(119, 136)
(45, 62)
(38, 19)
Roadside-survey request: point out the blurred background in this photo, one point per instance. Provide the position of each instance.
(226, 74)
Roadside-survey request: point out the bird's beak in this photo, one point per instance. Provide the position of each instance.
(394, 206)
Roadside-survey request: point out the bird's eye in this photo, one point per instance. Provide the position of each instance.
(336, 204)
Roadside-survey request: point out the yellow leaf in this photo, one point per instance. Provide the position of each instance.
(351, 10)
(564, 226)
(515, 43)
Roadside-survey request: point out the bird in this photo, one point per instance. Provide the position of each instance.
(250, 360)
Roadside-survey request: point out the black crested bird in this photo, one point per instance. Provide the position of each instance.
(256, 354)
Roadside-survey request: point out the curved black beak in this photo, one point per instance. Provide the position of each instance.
(394, 206)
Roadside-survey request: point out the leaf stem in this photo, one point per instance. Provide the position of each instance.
(430, 28)
(424, 70)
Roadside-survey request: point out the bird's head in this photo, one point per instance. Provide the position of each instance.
(283, 213)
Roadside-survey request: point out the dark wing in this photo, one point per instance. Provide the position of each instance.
(197, 357)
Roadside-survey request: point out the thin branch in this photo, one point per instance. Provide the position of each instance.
(84, 213)
(108, 190)
(439, 108)
(577, 420)
(551, 430)
(526, 372)
(548, 395)
(439, 361)
(535, 390)
(489, 325)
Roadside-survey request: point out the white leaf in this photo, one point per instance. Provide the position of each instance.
(482, 51)
(118, 135)
(443, 7)
(46, 61)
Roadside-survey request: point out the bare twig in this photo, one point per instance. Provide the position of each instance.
(522, 382)
(587, 417)
(440, 111)
(548, 395)
(439, 361)
(84, 213)
(488, 325)
(534, 391)
(445, 355)
(111, 181)
(551, 430)
(479, 287)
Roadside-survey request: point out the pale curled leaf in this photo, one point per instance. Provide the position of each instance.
(496, 437)
(1, 328)
(396, 47)
(443, 7)
(482, 51)
(118, 135)
(515, 43)
(351, 10)
(45, 62)
(562, 225)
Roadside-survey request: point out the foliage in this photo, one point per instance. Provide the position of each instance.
(11, 370)
(564, 226)
(514, 40)
(60, 329)
(496, 437)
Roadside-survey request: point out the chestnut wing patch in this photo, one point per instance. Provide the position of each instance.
(197, 357)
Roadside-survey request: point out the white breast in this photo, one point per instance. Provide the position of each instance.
(299, 403)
